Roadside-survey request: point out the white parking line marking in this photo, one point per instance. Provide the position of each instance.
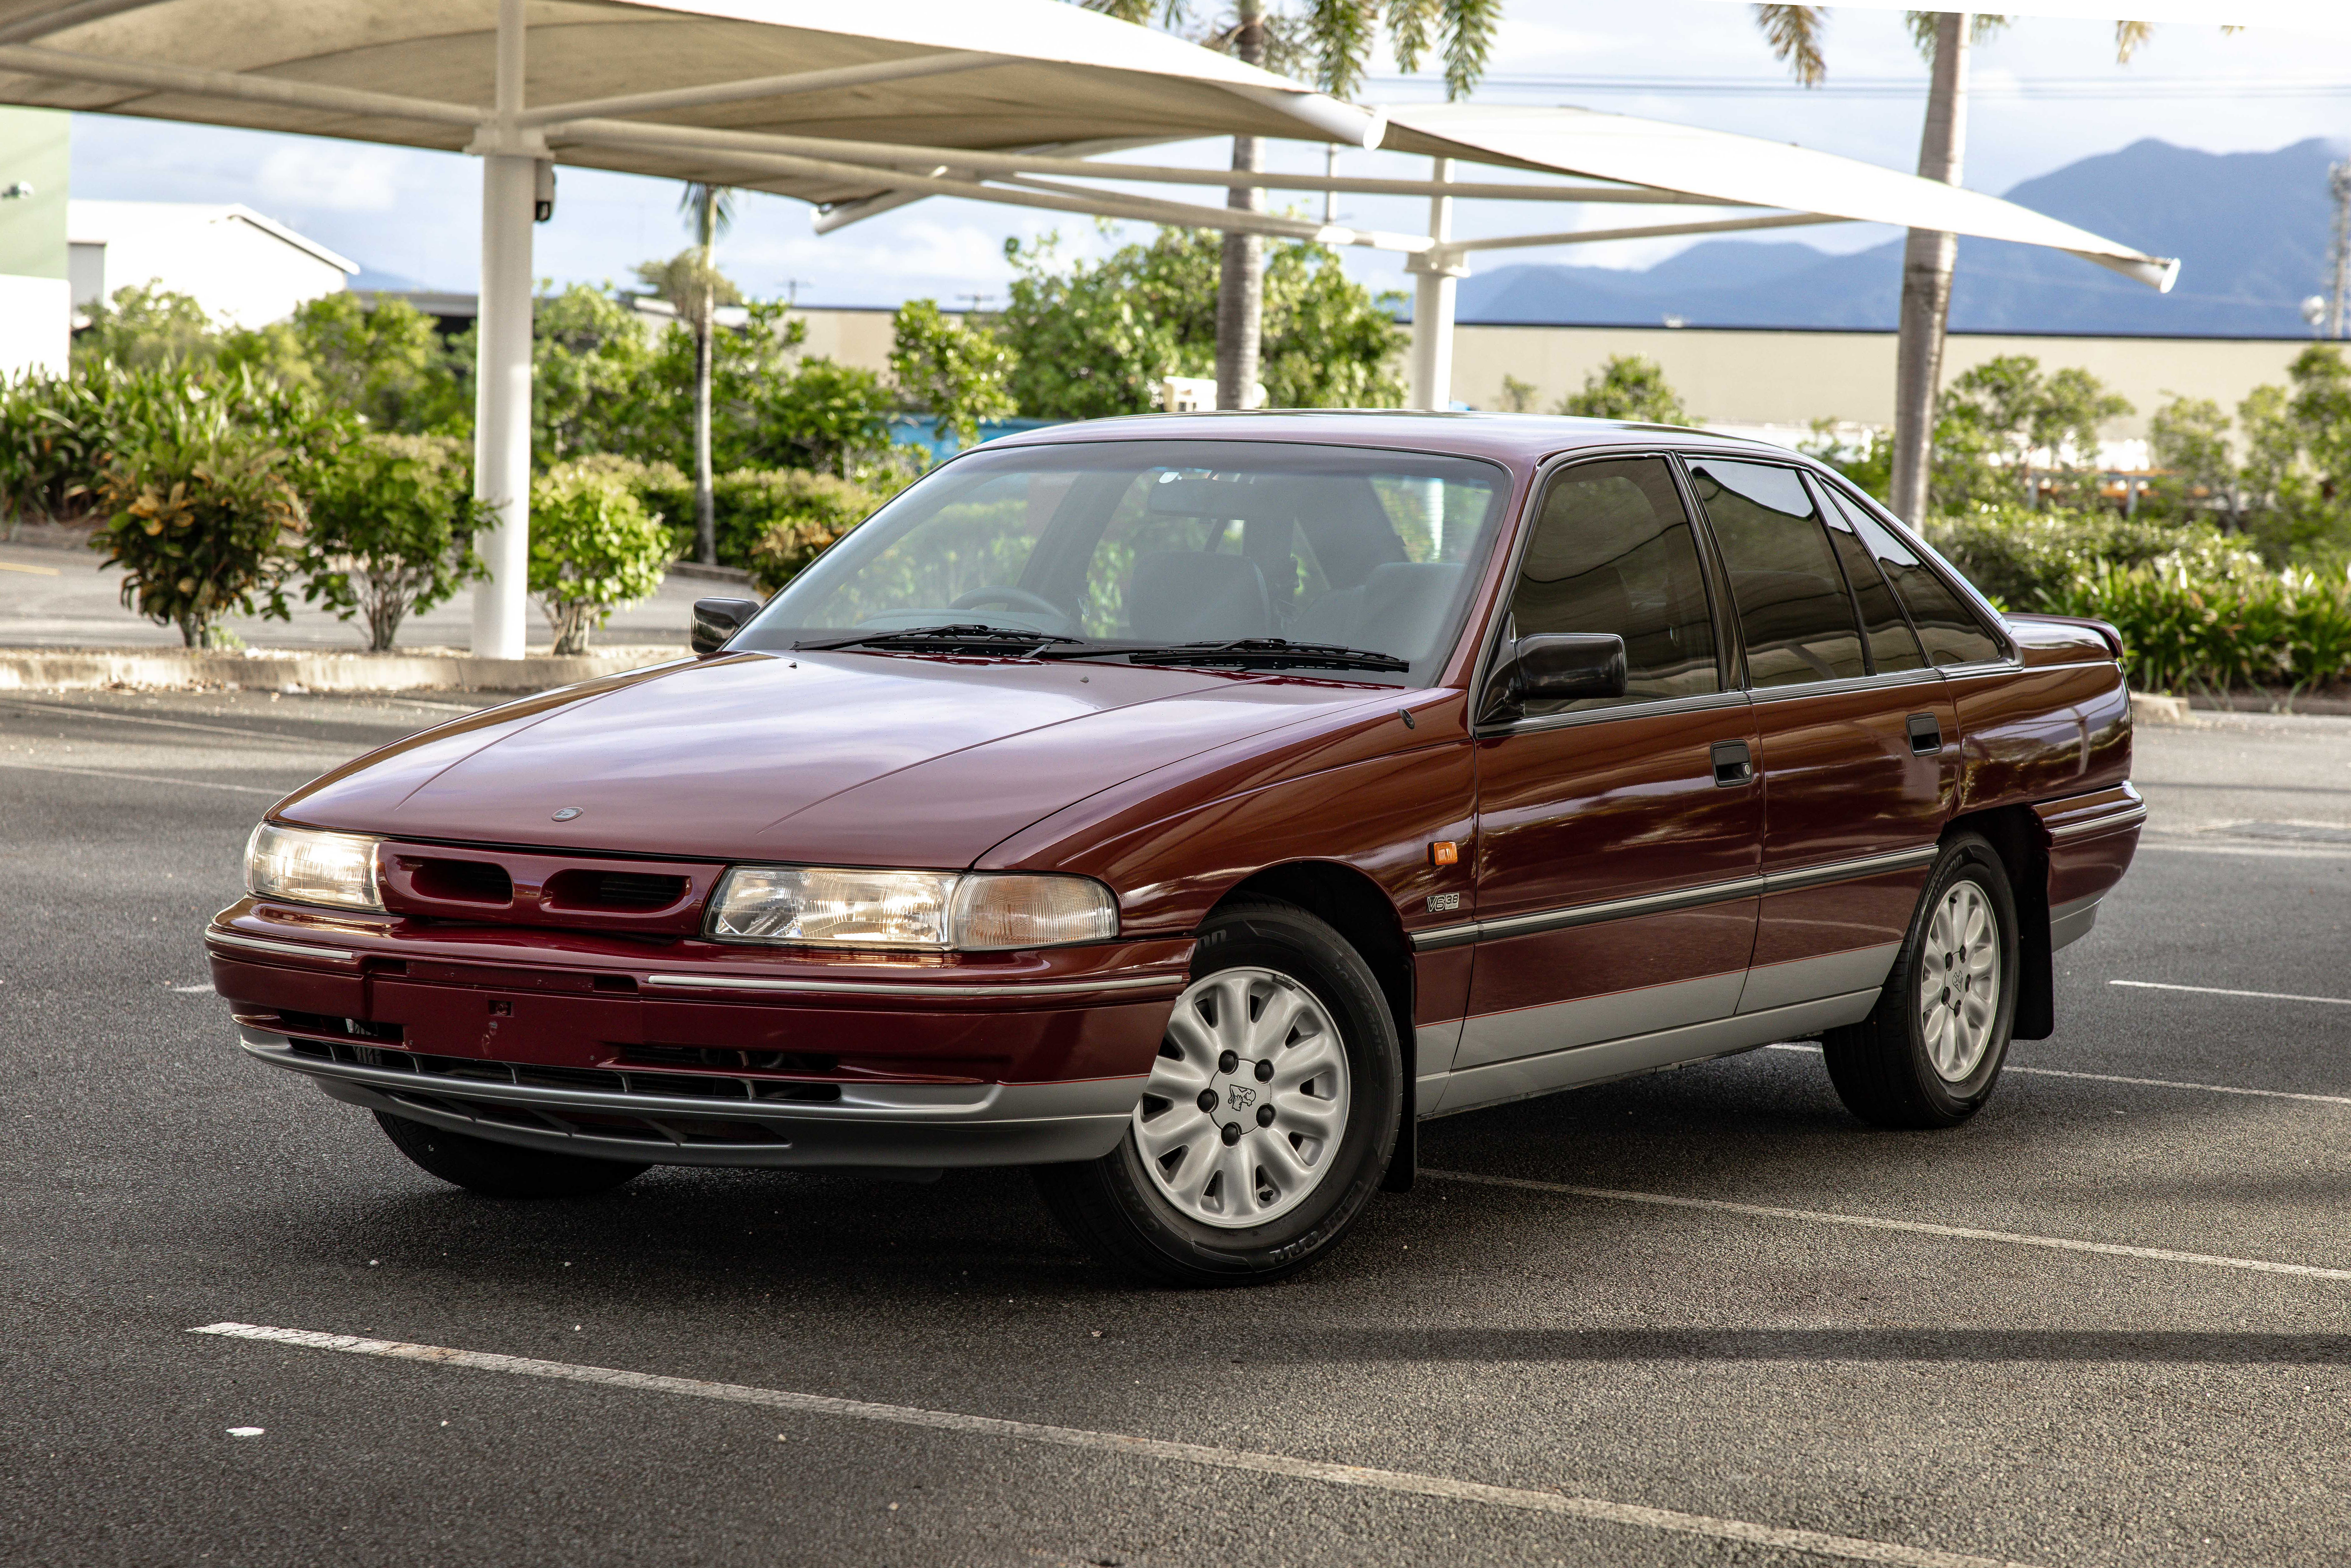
(149, 778)
(192, 990)
(2146, 1082)
(1912, 1227)
(1410, 1483)
(2224, 991)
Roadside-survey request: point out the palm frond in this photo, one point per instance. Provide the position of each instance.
(1138, 12)
(2129, 36)
(1794, 34)
(1342, 31)
(1409, 25)
(1469, 28)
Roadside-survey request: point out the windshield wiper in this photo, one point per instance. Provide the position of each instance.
(968, 637)
(1247, 654)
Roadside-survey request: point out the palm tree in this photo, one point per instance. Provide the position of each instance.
(1945, 38)
(711, 210)
(1336, 35)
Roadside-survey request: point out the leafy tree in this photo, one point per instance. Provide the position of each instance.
(593, 548)
(384, 360)
(948, 370)
(827, 416)
(1336, 36)
(2189, 436)
(1096, 339)
(1628, 386)
(591, 361)
(1868, 464)
(392, 530)
(2005, 410)
(797, 515)
(143, 327)
(2297, 472)
(200, 510)
(1518, 396)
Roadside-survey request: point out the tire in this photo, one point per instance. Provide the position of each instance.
(502, 1170)
(1924, 1059)
(1331, 1091)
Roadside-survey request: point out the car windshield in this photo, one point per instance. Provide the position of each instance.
(1243, 554)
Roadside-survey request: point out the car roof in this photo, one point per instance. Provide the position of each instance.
(1515, 438)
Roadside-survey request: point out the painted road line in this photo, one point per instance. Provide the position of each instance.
(152, 779)
(1910, 1226)
(34, 570)
(2223, 991)
(1408, 1482)
(2256, 851)
(2146, 1082)
(78, 710)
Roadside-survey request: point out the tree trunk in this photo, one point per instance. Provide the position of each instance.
(705, 518)
(1926, 261)
(1240, 282)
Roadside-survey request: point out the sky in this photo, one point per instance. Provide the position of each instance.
(2048, 93)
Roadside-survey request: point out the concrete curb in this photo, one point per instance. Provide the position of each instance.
(283, 670)
(2148, 709)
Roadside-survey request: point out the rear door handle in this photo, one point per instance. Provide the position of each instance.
(1733, 763)
(1925, 734)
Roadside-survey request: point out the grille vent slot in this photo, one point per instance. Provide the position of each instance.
(615, 890)
(464, 882)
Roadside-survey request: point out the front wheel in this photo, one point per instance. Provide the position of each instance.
(1269, 1118)
(1931, 1051)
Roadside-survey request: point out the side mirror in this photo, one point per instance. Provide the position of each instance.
(717, 620)
(1557, 667)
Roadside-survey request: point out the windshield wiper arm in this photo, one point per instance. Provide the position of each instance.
(1248, 654)
(943, 638)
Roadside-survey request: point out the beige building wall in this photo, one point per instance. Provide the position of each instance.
(1793, 378)
(1755, 376)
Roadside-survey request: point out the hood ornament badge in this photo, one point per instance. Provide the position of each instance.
(566, 813)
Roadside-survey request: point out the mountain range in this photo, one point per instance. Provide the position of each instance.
(2251, 230)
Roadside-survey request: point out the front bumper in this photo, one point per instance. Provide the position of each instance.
(880, 1125)
(682, 1053)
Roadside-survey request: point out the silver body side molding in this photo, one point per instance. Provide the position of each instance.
(1469, 1089)
(915, 990)
(1678, 898)
(2068, 923)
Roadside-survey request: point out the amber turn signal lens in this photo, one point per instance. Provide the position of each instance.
(1445, 852)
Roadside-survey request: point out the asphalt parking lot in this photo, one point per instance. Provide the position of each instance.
(1704, 1317)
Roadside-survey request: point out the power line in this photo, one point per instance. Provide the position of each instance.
(2076, 88)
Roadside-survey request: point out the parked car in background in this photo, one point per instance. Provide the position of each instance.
(1188, 806)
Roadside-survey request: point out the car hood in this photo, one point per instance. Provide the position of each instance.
(846, 758)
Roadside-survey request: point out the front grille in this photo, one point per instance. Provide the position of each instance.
(723, 1057)
(619, 890)
(351, 1029)
(464, 882)
(457, 1070)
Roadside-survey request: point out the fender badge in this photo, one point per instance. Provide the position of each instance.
(566, 815)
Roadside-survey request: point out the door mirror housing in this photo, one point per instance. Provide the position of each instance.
(1557, 667)
(717, 620)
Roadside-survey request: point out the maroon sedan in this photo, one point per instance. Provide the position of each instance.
(1186, 807)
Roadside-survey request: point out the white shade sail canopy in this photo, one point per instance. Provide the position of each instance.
(1746, 171)
(420, 73)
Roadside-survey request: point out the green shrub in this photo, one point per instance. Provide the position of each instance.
(201, 516)
(1628, 386)
(2020, 557)
(52, 441)
(392, 530)
(593, 548)
(2183, 628)
(796, 514)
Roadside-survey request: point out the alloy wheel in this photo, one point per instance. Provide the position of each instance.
(1247, 1099)
(1959, 981)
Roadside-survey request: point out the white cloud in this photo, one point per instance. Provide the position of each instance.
(330, 176)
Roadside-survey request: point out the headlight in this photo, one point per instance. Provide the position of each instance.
(306, 867)
(792, 906)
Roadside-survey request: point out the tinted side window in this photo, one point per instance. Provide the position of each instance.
(1892, 645)
(1793, 606)
(1949, 629)
(1613, 551)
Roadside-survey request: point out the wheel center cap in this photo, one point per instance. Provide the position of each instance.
(1240, 1096)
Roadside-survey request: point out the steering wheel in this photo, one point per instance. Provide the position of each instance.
(1009, 598)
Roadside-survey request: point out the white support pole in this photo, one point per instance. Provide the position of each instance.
(1435, 273)
(502, 365)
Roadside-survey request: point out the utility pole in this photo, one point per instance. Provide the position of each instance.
(2339, 180)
